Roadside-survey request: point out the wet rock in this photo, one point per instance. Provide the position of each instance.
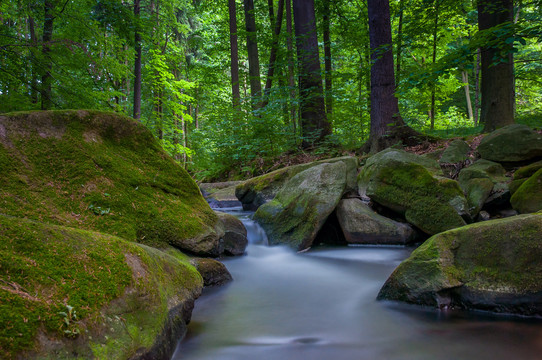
(493, 265)
(410, 185)
(213, 272)
(235, 235)
(296, 215)
(512, 143)
(361, 225)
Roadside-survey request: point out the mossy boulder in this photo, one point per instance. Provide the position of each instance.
(494, 265)
(257, 191)
(528, 197)
(361, 225)
(104, 172)
(401, 182)
(456, 152)
(512, 143)
(214, 273)
(235, 234)
(481, 181)
(523, 174)
(67, 293)
(296, 215)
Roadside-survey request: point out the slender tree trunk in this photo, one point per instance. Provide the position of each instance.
(497, 69)
(274, 51)
(137, 64)
(387, 126)
(399, 42)
(46, 78)
(234, 49)
(312, 107)
(327, 61)
(253, 58)
(435, 41)
(291, 66)
(465, 78)
(477, 88)
(271, 8)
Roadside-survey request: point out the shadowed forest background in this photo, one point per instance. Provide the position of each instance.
(172, 65)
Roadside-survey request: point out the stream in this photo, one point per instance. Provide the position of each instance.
(320, 305)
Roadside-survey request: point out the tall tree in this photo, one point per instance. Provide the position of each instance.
(313, 117)
(327, 60)
(274, 50)
(253, 57)
(137, 62)
(387, 126)
(234, 54)
(497, 107)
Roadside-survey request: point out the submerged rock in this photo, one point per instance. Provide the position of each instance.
(512, 143)
(295, 216)
(528, 197)
(361, 225)
(494, 265)
(257, 191)
(402, 183)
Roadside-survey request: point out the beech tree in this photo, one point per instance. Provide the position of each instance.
(314, 122)
(498, 107)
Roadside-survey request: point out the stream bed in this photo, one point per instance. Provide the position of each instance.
(320, 305)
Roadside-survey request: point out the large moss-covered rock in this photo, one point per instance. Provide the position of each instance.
(512, 143)
(494, 265)
(402, 182)
(480, 181)
(67, 293)
(257, 191)
(523, 174)
(528, 197)
(301, 207)
(361, 225)
(104, 172)
(457, 152)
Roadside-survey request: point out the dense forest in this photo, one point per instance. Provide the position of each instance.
(227, 87)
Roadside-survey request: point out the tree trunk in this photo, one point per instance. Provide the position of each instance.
(253, 58)
(399, 42)
(274, 51)
(387, 126)
(465, 78)
(497, 69)
(477, 88)
(234, 49)
(327, 61)
(270, 6)
(434, 85)
(137, 64)
(313, 117)
(46, 78)
(291, 66)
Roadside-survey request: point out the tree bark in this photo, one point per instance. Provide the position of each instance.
(477, 88)
(327, 61)
(291, 66)
(234, 50)
(315, 125)
(253, 57)
(274, 51)
(387, 126)
(399, 42)
(137, 63)
(497, 69)
(46, 78)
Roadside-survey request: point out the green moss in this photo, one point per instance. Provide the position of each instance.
(528, 197)
(527, 171)
(97, 171)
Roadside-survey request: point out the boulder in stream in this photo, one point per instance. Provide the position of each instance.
(235, 234)
(296, 215)
(494, 265)
(361, 225)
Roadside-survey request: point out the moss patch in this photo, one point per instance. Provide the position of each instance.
(528, 197)
(46, 268)
(97, 171)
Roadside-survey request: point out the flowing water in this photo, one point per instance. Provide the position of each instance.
(320, 305)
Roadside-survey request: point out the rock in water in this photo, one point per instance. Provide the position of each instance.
(406, 183)
(512, 143)
(213, 272)
(494, 265)
(528, 198)
(301, 207)
(361, 225)
(235, 234)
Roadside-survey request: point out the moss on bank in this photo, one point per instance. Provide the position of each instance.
(97, 171)
(121, 292)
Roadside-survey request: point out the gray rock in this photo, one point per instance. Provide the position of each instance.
(512, 143)
(235, 235)
(457, 152)
(296, 215)
(493, 265)
(361, 225)
(213, 272)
